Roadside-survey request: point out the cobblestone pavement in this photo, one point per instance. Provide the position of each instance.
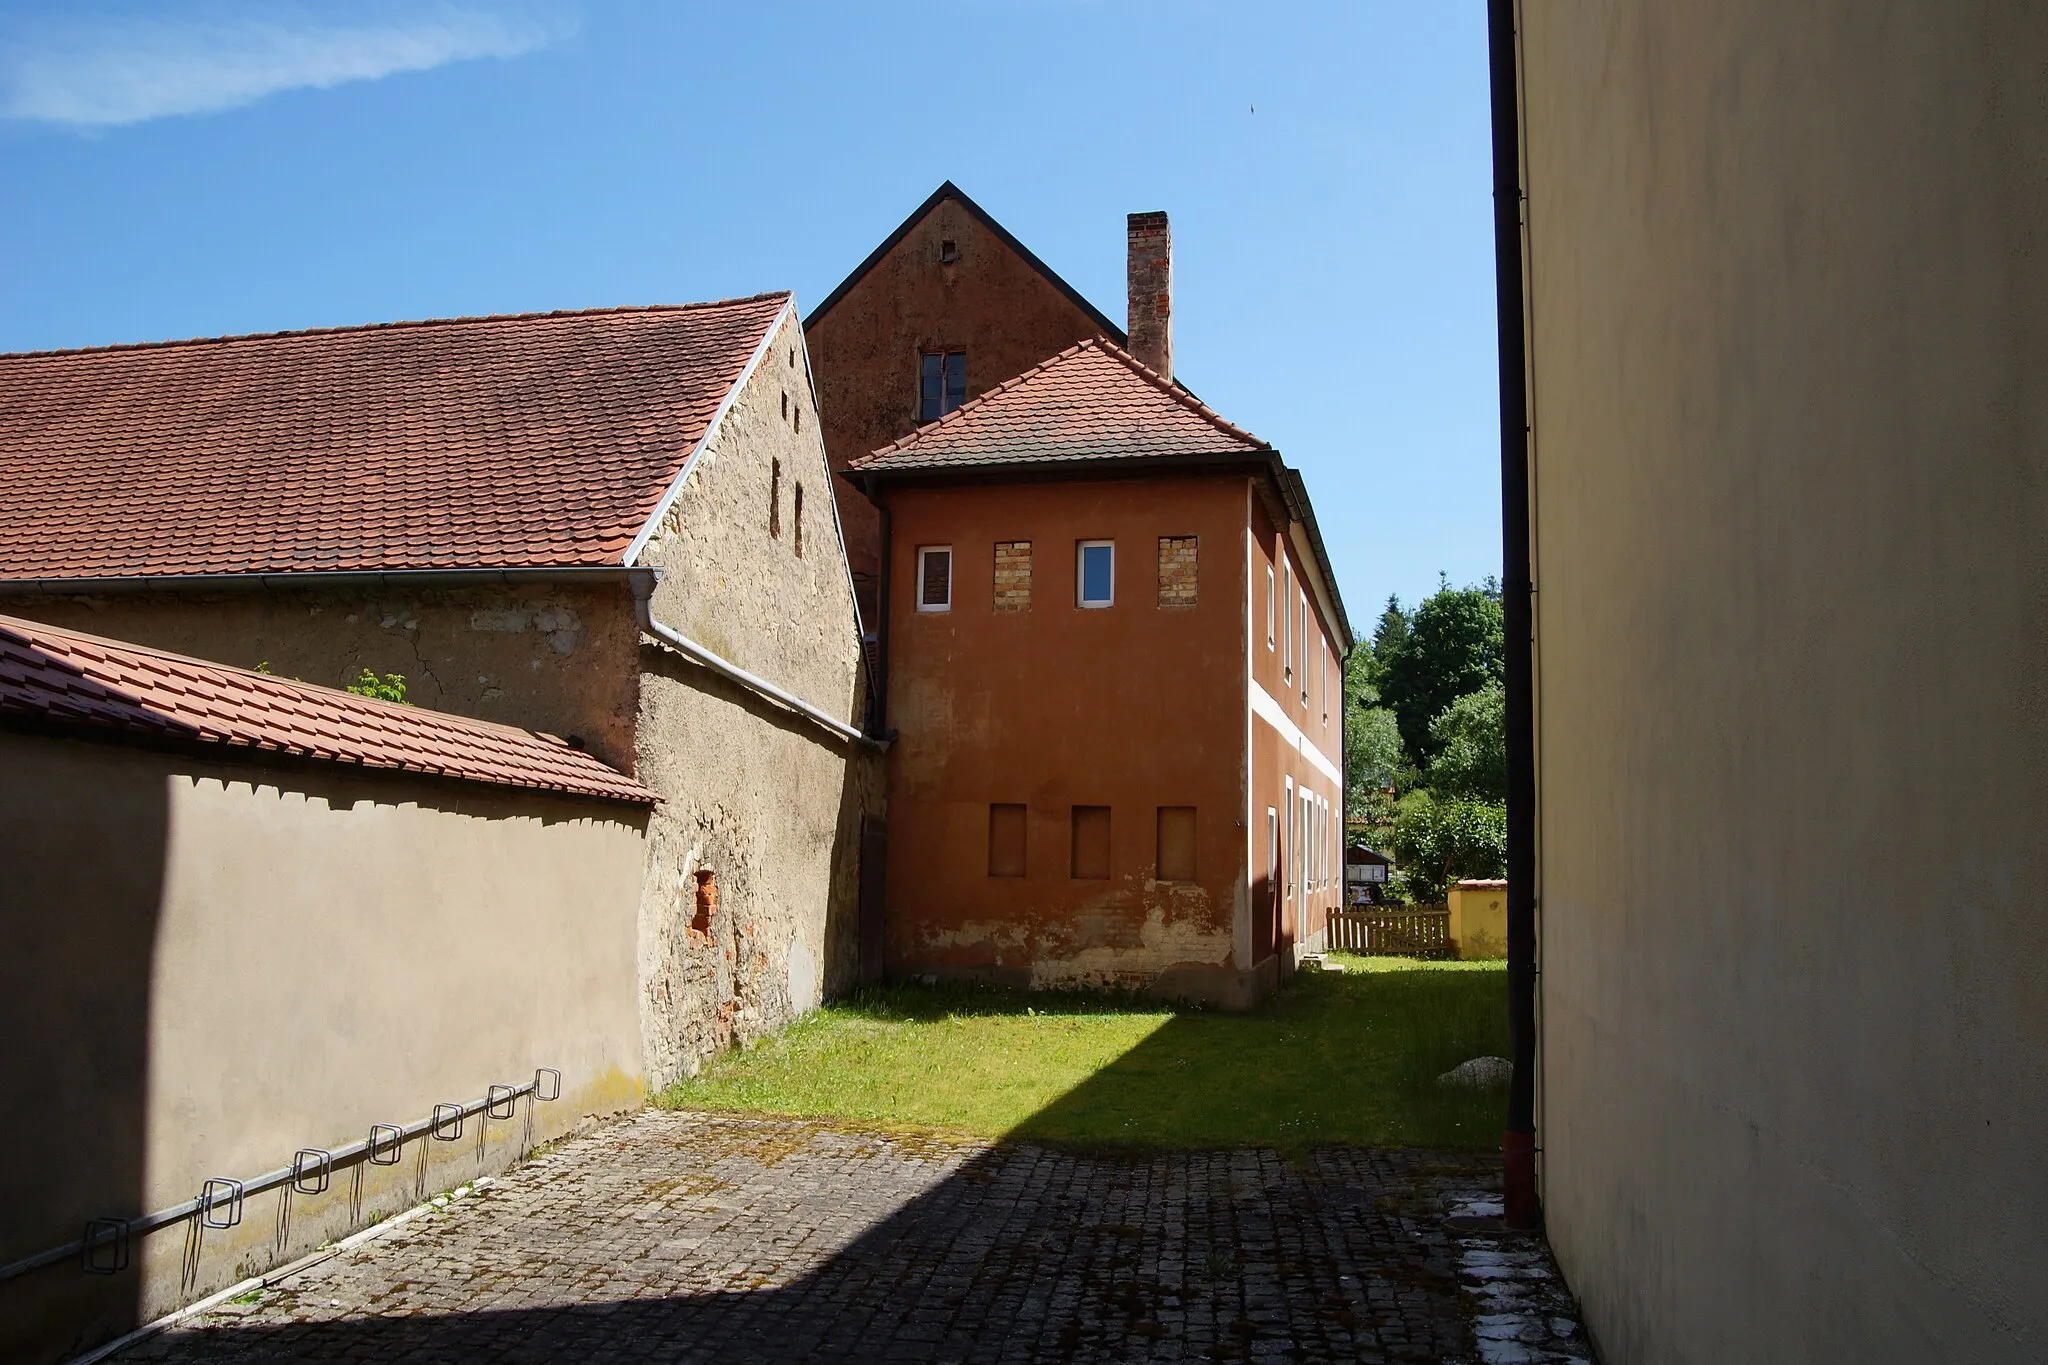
(689, 1236)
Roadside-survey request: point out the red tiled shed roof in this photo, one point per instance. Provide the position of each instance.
(60, 678)
(540, 440)
(1093, 401)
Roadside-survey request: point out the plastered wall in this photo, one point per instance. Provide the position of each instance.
(554, 658)
(212, 965)
(1134, 706)
(767, 801)
(1790, 350)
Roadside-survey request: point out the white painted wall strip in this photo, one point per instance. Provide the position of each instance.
(1275, 715)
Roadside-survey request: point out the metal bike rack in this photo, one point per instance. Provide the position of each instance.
(312, 1168)
(105, 1245)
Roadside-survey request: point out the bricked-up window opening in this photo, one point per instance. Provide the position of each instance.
(796, 522)
(1095, 574)
(775, 497)
(1091, 843)
(1176, 843)
(1005, 840)
(1177, 571)
(706, 901)
(1013, 575)
(942, 385)
(949, 251)
(935, 578)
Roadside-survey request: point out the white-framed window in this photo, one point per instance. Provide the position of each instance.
(1095, 573)
(1301, 844)
(1269, 606)
(1287, 621)
(935, 578)
(1327, 652)
(1272, 851)
(1304, 644)
(1293, 835)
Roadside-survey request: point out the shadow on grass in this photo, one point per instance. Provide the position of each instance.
(1351, 1059)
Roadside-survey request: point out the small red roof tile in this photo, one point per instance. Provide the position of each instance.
(538, 440)
(53, 677)
(1093, 401)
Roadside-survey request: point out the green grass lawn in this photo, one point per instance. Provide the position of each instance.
(1334, 1058)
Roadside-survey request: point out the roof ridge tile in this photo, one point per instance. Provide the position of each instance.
(400, 324)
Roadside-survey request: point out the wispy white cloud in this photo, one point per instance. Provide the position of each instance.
(114, 73)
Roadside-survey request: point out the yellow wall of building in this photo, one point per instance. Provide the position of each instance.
(1479, 919)
(1789, 302)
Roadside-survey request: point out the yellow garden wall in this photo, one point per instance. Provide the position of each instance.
(1479, 919)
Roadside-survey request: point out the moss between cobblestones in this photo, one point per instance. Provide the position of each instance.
(1350, 1058)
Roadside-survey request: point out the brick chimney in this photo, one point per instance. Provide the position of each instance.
(1151, 289)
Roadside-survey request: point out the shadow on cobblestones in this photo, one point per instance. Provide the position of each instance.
(690, 1236)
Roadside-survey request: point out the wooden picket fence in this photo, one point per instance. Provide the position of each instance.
(1391, 930)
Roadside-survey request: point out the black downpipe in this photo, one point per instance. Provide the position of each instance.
(1518, 1143)
(881, 679)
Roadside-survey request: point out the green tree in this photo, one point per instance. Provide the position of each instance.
(1455, 643)
(1471, 735)
(1389, 633)
(1373, 756)
(1438, 842)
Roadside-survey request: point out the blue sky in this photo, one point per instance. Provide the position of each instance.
(192, 169)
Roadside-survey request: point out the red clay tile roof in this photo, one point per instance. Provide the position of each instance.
(61, 678)
(534, 441)
(1093, 401)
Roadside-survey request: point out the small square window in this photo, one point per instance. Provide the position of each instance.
(1176, 844)
(949, 251)
(1006, 840)
(1091, 843)
(941, 384)
(935, 578)
(1095, 574)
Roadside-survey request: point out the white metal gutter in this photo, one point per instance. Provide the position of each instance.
(753, 682)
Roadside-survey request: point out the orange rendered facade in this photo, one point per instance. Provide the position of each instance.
(1164, 713)
(949, 280)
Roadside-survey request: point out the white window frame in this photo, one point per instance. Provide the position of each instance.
(1304, 645)
(1081, 579)
(1287, 622)
(922, 551)
(1327, 654)
(1269, 609)
(1301, 849)
(1287, 858)
(1274, 871)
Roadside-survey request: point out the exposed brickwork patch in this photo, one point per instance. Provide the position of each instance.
(1013, 575)
(1177, 571)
